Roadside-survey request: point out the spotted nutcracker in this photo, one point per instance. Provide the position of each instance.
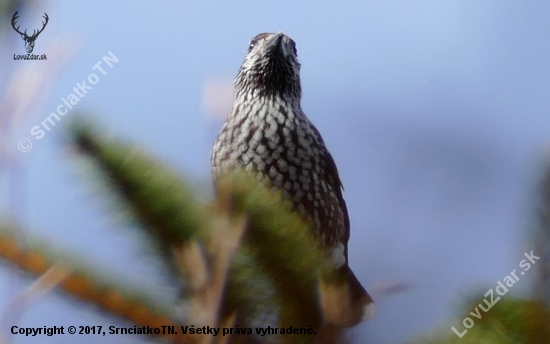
(267, 133)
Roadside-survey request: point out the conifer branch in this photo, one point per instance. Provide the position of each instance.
(80, 282)
(276, 264)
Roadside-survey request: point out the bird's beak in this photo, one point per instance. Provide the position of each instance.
(277, 45)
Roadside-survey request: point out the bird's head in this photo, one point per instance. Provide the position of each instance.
(270, 68)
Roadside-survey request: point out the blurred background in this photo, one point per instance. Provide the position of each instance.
(436, 113)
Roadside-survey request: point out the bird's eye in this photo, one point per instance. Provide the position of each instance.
(294, 48)
(251, 46)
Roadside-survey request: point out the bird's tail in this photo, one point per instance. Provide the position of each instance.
(344, 300)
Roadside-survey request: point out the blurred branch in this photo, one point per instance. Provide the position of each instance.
(277, 264)
(243, 257)
(79, 281)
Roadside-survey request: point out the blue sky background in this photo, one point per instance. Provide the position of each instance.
(436, 113)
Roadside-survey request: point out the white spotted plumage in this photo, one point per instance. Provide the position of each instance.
(268, 134)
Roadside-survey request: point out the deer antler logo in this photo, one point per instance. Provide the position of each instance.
(29, 40)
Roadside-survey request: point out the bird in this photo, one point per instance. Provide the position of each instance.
(268, 134)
